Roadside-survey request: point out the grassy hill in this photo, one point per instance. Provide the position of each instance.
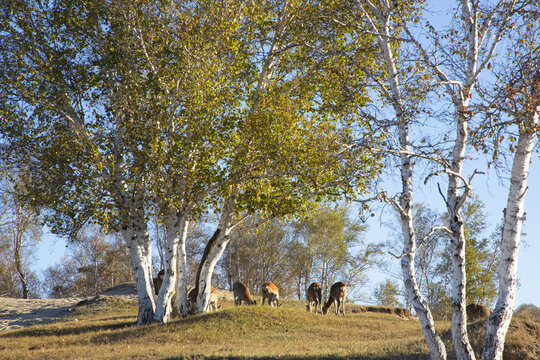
(105, 329)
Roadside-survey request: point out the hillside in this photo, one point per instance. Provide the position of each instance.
(104, 329)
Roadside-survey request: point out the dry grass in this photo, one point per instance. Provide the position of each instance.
(522, 339)
(106, 330)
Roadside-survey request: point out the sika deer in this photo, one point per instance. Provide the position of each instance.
(338, 293)
(476, 312)
(241, 293)
(192, 300)
(158, 281)
(270, 292)
(314, 296)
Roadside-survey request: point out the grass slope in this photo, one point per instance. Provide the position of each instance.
(106, 330)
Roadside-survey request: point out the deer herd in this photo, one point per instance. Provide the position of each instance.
(270, 292)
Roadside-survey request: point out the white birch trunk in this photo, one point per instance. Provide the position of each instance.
(499, 320)
(455, 202)
(205, 281)
(437, 349)
(176, 226)
(180, 298)
(138, 244)
(213, 253)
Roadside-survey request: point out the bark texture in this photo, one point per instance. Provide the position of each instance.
(499, 320)
(138, 244)
(212, 253)
(180, 303)
(175, 225)
(381, 26)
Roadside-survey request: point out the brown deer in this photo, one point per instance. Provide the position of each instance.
(241, 293)
(192, 299)
(270, 292)
(158, 281)
(477, 312)
(314, 296)
(338, 293)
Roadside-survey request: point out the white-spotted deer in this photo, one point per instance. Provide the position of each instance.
(270, 292)
(338, 293)
(314, 297)
(241, 293)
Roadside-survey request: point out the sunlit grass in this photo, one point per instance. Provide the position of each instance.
(107, 330)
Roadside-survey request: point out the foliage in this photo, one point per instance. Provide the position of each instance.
(481, 256)
(387, 293)
(94, 263)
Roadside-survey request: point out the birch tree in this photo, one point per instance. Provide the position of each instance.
(49, 79)
(512, 108)
(100, 131)
(457, 66)
(379, 20)
(294, 105)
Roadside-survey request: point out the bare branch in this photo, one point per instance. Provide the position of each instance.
(442, 195)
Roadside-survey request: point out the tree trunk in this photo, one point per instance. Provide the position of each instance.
(180, 299)
(455, 202)
(18, 263)
(138, 244)
(499, 320)
(437, 349)
(212, 253)
(207, 269)
(176, 225)
(382, 27)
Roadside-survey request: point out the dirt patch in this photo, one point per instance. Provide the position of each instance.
(19, 313)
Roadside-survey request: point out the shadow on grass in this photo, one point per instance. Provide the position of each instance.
(66, 330)
(322, 357)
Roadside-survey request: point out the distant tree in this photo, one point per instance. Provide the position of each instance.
(20, 232)
(258, 255)
(433, 257)
(428, 254)
(336, 247)
(481, 256)
(94, 263)
(387, 293)
(300, 263)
